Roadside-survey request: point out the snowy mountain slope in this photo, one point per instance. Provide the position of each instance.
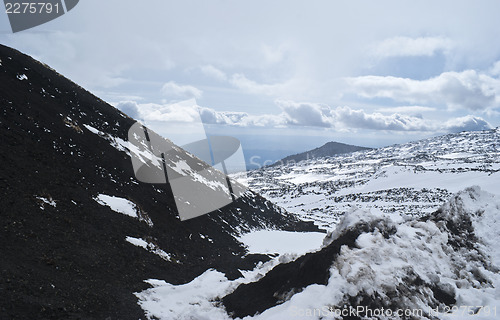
(79, 233)
(441, 265)
(412, 178)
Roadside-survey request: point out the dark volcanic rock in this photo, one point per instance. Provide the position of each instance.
(70, 260)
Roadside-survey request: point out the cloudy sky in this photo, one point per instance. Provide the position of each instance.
(284, 75)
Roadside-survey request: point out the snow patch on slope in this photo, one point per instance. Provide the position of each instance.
(117, 204)
(42, 201)
(150, 246)
(117, 143)
(123, 206)
(180, 166)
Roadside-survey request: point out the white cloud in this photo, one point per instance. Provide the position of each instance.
(275, 54)
(211, 116)
(407, 109)
(404, 46)
(299, 114)
(189, 112)
(213, 72)
(306, 114)
(130, 108)
(241, 119)
(468, 89)
(242, 82)
(174, 90)
(183, 111)
(495, 70)
(359, 119)
(287, 88)
(467, 123)
(346, 118)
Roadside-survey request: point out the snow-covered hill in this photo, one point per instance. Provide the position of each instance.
(444, 265)
(412, 178)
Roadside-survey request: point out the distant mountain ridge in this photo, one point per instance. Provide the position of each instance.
(329, 149)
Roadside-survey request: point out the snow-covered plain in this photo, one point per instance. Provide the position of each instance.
(412, 178)
(282, 242)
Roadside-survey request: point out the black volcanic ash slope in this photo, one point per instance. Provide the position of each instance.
(63, 255)
(329, 149)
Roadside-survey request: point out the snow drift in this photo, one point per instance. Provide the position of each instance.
(442, 263)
